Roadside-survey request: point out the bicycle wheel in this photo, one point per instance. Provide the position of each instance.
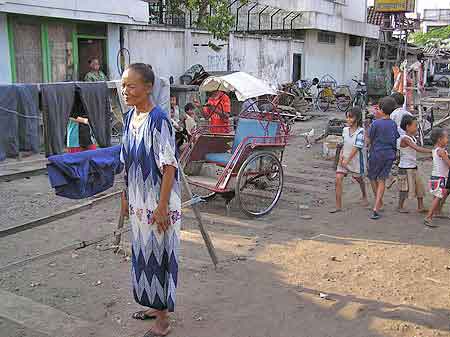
(259, 184)
(343, 103)
(322, 101)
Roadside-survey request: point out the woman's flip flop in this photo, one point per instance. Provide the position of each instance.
(142, 315)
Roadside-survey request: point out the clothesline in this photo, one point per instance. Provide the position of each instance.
(19, 114)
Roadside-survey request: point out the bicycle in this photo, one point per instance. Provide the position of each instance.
(360, 98)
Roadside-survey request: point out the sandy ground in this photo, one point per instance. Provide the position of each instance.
(298, 272)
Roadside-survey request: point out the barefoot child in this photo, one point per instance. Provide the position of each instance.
(439, 176)
(410, 181)
(351, 160)
(383, 137)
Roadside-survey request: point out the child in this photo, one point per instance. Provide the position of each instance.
(383, 137)
(351, 160)
(399, 112)
(439, 176)
(190, 123)
(409, 179)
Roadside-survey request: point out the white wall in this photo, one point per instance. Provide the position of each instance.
(113, 49)
(199, 53)
(245, 54)
(171, 52)
(353, 10)
(5, 64)
(339, 60)
(115, 11)
(163, 49)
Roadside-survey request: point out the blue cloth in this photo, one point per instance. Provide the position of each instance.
(84, 174)
(383, 135)
(246, 128)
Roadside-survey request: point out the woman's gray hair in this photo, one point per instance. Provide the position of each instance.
(145, 70)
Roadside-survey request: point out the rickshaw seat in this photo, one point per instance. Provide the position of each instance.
(246, 128)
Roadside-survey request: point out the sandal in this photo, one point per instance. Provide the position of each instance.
(429, 223)
(335, 210)
(142, 315)
(375, 216)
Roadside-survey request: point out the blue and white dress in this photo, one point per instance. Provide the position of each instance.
(147, 147)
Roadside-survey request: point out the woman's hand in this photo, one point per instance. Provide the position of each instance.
(161, 217)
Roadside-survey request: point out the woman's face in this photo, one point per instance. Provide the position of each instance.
(135, 91)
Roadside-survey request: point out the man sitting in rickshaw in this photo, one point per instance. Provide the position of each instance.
(217, 110)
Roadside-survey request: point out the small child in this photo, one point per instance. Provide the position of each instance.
(439, 176)
(351, 160)
(410, 181)
(383, 135)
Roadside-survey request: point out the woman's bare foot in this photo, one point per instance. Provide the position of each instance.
(161, 328)
(364, 202)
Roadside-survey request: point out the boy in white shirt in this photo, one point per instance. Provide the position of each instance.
(398, 114)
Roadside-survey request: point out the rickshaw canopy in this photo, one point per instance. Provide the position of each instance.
(244, 85)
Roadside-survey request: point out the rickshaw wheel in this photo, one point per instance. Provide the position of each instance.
(259, 184)
(323, 101)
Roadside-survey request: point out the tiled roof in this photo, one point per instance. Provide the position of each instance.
(374, 17)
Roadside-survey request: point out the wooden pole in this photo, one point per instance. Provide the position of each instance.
(205, 235)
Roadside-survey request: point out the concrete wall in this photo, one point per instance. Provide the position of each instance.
(339, 60)
(114, 11)
(113, 49)
(199, 53)
(5, 64)
(327, 15)
(171, 52)
(353, 10)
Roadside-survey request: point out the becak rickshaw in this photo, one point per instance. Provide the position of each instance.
(244, 164)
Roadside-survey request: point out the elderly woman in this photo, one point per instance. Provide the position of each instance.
(153, 199)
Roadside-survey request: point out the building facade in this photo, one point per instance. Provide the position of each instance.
(52, 40)
(278, 40)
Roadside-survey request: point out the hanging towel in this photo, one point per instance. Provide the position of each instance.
(9, 141)
(84, 174)
(95, 99)
(57, 102)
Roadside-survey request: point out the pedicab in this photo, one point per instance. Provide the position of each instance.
(244, 165)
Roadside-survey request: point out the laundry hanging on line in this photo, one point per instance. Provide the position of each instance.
(19, 119)
(84, 174)
(58, 101)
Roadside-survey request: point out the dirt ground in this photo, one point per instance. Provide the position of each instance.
(298, 272)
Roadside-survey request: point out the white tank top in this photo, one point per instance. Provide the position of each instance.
(440, 167)
(408, 156)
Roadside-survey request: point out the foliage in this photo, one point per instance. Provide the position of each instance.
(439, 37)
(213, 15)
